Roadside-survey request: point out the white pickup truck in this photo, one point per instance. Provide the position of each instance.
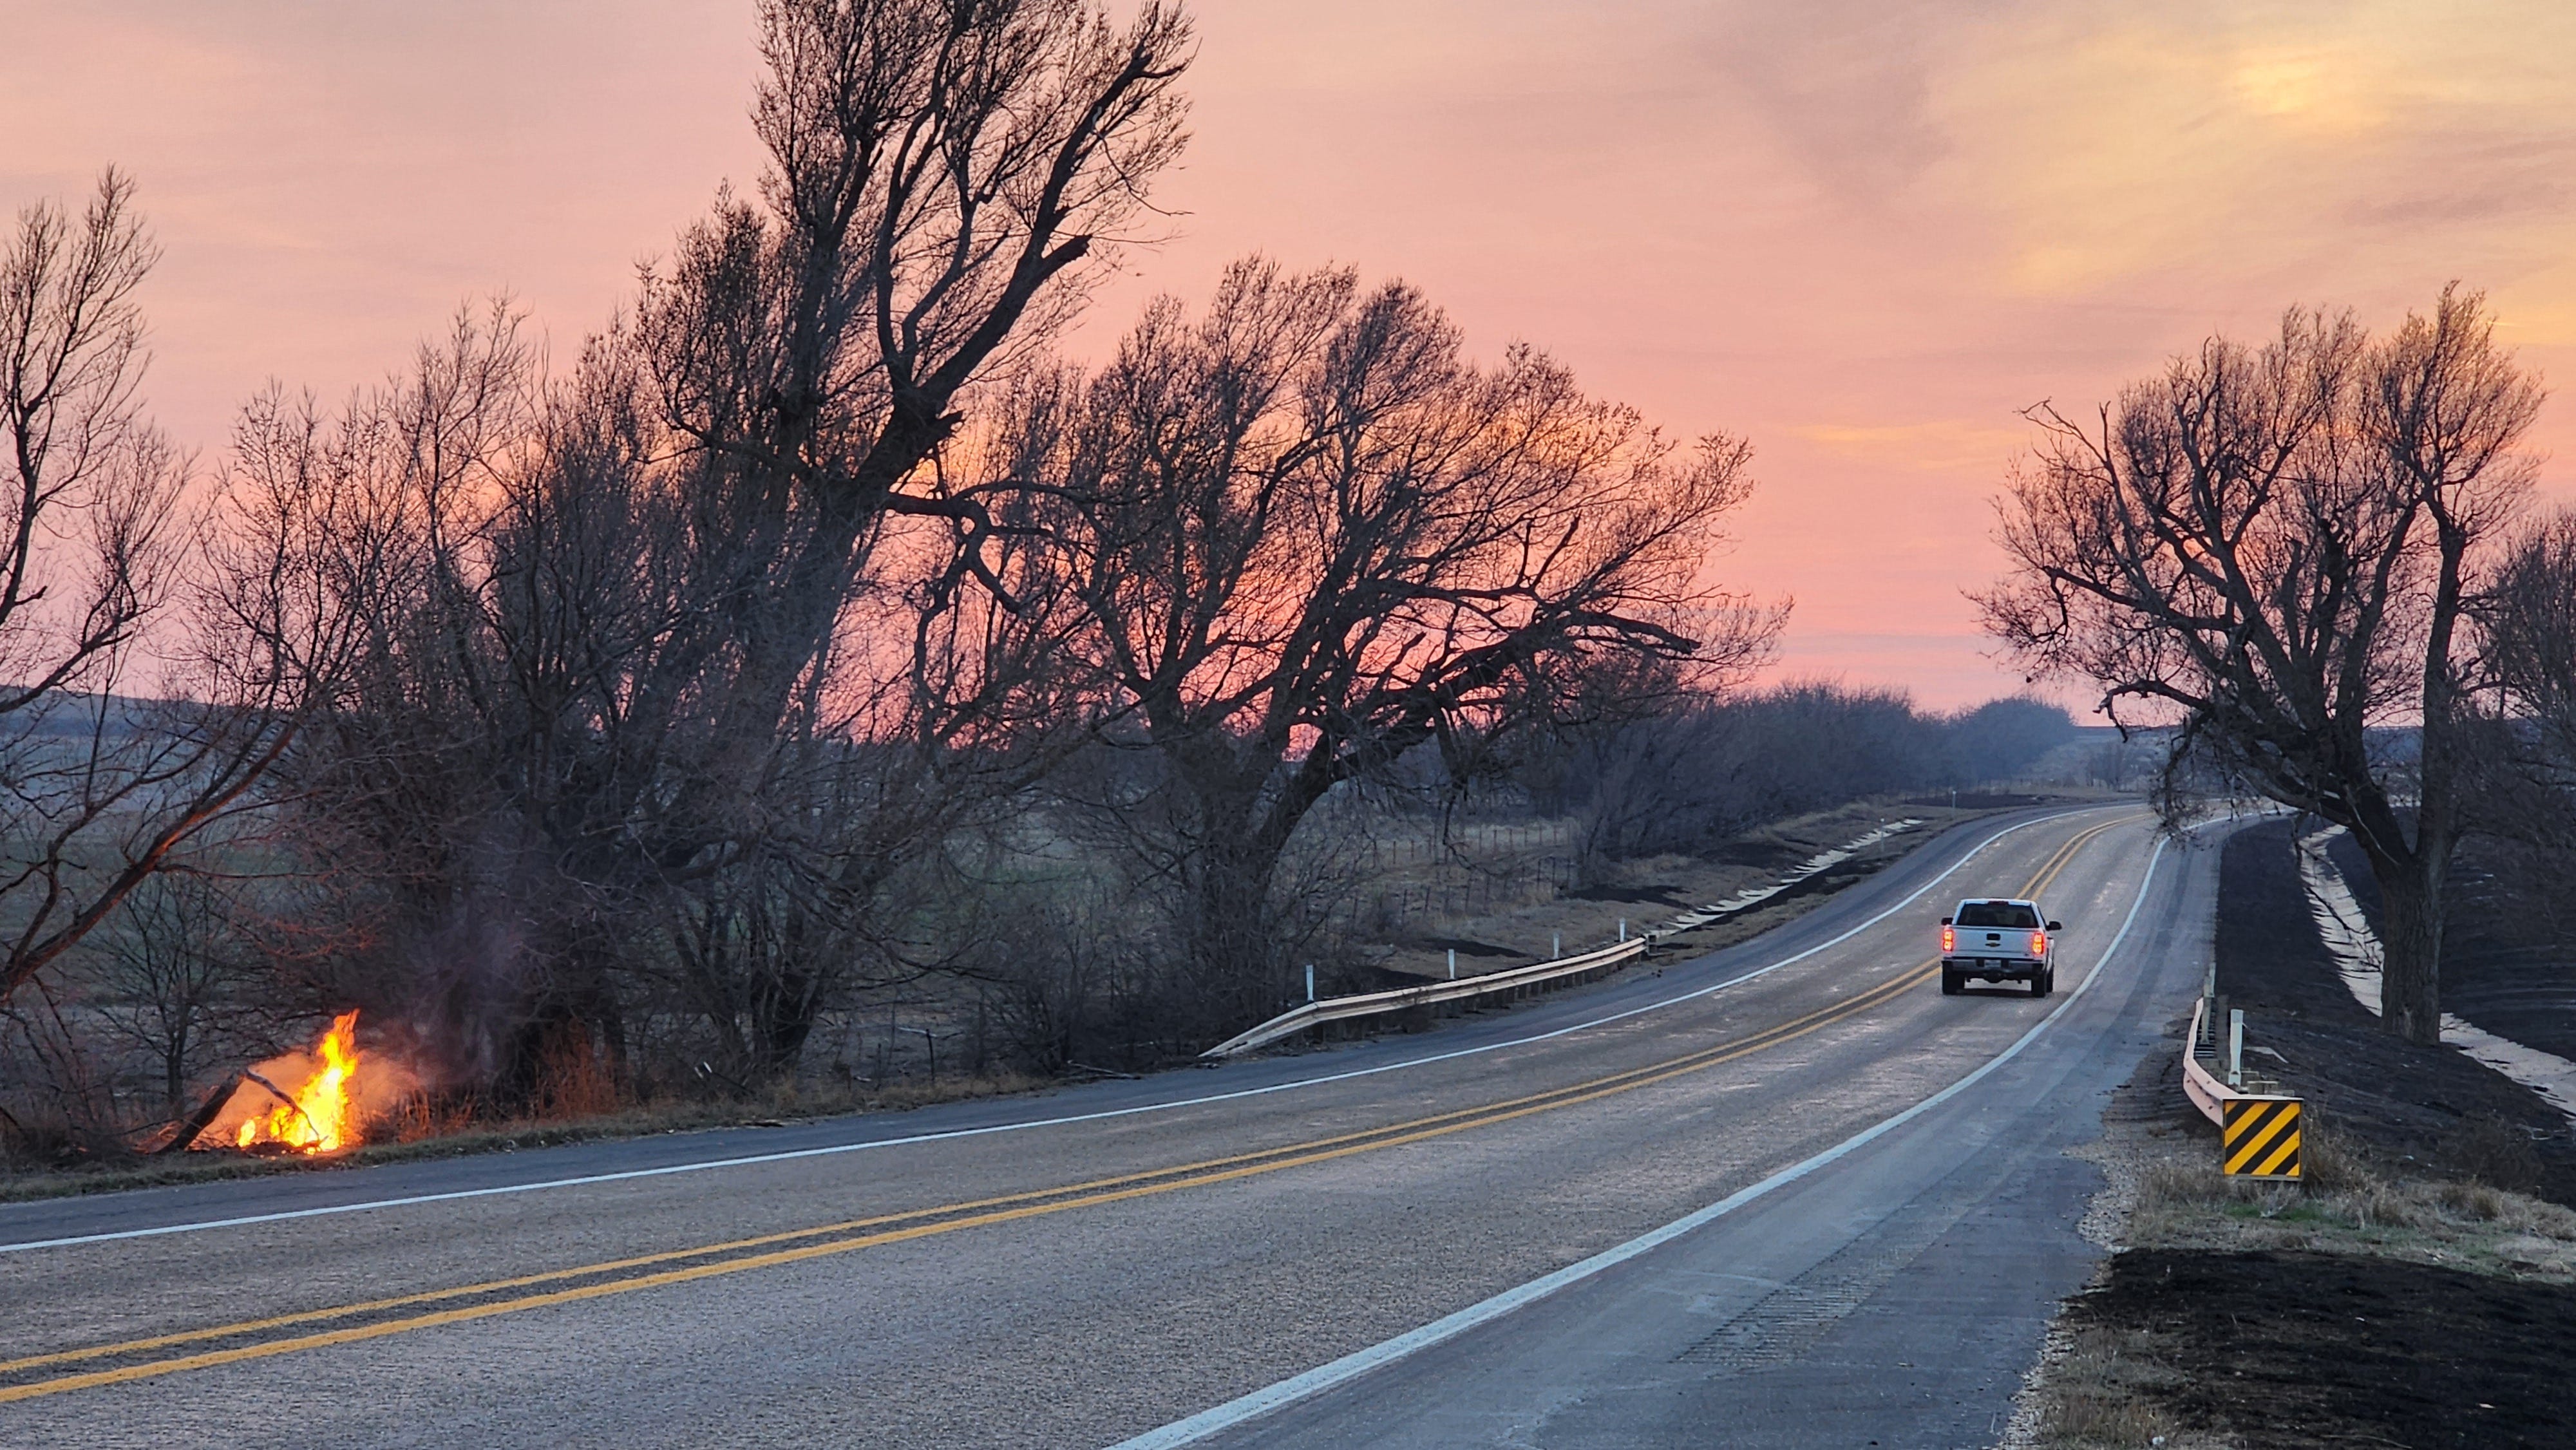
(1998, 940)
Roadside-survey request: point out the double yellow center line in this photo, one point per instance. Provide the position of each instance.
(378, 1318)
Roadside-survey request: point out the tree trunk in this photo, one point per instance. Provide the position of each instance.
(174, 1073)
(1231, 944)
(784, 1019)
(2410, 894)
(536, 1054)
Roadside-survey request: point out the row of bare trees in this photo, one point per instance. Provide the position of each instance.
(743, 666)
(682, 659)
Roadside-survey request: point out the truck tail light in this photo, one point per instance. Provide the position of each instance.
(2039, 944)
(1949, 941)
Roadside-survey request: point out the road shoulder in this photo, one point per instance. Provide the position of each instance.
(2418, 1289)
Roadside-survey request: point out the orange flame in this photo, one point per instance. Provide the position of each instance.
(320, 1119)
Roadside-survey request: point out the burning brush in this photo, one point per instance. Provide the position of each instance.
(314, 1118)
(334, 1088)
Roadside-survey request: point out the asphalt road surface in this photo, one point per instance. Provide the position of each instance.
(1783, 1194)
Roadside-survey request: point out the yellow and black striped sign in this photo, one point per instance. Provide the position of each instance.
(2261, 1137)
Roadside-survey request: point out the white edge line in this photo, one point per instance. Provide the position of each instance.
(1350, 1366)
(625, 1175)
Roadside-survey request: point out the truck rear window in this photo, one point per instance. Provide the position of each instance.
(1996, 913)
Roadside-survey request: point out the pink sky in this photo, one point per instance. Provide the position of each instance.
(1863, 235)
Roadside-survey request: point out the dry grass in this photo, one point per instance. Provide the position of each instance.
(2348, 1206)
(2101, 1394)
(2098, 1389)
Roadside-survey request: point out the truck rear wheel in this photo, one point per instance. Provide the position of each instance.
(2044, 983)
(1950, 983)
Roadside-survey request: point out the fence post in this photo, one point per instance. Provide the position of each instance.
(2236, 1047)
(1310, 981)
(1623, 928)
(1555, 945)
(1453, 964)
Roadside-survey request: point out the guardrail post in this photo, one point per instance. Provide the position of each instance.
(2236, 1047)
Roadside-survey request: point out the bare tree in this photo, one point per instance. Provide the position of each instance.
(704, 641)
(341, 557)
(2529, 621)
(1311, 537)
(101, 788)
(2276, 550)
(85, 467)
(944, 179)
(941, 175)
(174, 978)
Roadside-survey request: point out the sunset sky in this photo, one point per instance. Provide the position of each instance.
(1862, 234)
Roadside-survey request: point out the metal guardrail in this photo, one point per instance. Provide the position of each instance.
(1368, 1004)
(2209, 1092)
(2200, 1085)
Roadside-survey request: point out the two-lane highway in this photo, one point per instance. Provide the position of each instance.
(1583, 1198)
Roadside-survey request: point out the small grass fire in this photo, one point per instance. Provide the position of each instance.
(306, 1102)
(316, 1117)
